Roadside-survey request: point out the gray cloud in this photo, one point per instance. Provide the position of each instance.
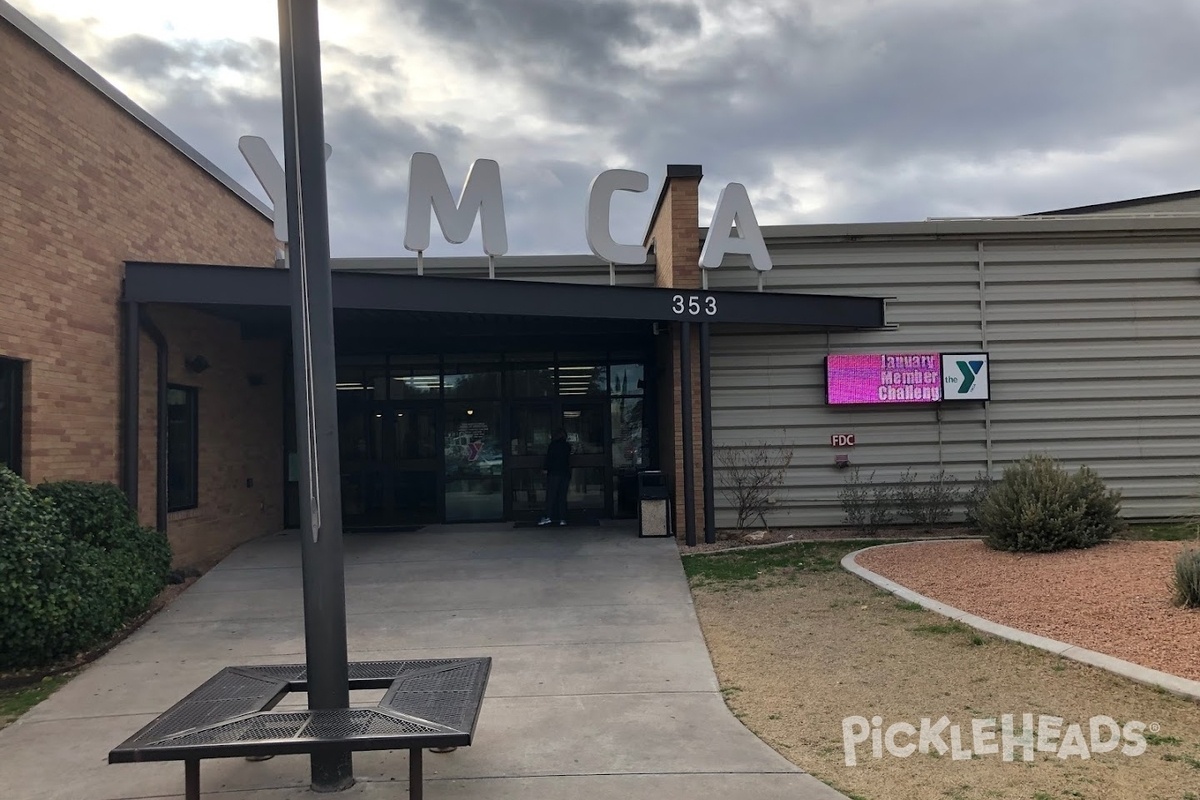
(891, 110)
(149, 58)
(584, 39)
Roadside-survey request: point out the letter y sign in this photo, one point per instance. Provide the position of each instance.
(266, 168)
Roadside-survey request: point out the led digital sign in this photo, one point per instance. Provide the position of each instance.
(873, 378)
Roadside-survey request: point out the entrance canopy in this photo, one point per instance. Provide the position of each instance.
(231, 287)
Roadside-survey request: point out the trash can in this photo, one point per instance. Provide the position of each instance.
(654, 505)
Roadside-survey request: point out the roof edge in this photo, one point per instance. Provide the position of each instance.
(568, 260)
(1114, 205)
(72, 62)
(995, 226)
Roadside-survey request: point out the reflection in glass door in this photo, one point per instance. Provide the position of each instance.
(584, 423)
(414, 458)
(474, 462)
(530, 428)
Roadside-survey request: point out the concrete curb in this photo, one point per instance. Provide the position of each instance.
(1126, 669)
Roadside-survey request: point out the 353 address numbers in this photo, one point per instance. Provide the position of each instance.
(694, 305)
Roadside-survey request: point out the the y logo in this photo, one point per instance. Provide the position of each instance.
(969, 370)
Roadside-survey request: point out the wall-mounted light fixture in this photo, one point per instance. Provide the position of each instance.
(196, 364)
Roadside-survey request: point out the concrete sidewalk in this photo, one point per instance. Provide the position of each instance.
(601, 683)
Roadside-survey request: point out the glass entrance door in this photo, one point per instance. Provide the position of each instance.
(474, 462)
(584, 421)
(531, 427)
(389, 463)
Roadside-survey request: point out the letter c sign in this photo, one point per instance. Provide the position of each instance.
(841, 440)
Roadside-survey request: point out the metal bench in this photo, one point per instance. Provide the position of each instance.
(433, 703)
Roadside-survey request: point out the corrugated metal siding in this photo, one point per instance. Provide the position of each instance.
(1095, 358)
(1096, 351)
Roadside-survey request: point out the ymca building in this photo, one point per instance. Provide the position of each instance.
(145, 341)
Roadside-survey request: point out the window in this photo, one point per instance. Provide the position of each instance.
(182, 450)
(10, 414)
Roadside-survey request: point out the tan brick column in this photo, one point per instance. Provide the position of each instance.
(674, 234)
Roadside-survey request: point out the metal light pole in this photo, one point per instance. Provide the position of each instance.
(314, 367)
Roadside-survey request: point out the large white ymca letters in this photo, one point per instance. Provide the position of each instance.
(734, 209)
(482, 196)
(262, 163)
(427, 188)
(597, 222)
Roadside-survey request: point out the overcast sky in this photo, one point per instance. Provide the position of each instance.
(827, 110)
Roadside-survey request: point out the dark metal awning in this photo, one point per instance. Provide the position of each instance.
(207, 285)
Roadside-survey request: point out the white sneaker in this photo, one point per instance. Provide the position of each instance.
(562, 522)
(544, 521)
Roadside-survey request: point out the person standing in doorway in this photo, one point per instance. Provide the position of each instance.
(558, 478)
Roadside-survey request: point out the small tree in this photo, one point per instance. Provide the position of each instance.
(750, 475)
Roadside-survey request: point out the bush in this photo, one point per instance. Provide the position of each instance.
(750, 475)
(974, 496)
(135, 560)
(74, 566)
(927, 504)
(867, 505)
(95, 513)
(1039, 507)
(1187, 579)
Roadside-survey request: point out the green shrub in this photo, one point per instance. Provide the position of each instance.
(74, 566)
(95, 513)
(134, 560)
(1037, 506)
(34, 602)
(1187, 579)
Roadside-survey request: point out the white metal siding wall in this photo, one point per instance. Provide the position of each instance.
(1097, 350)
(1095, 358)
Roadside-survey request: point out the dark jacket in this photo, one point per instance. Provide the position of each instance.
(558, 458)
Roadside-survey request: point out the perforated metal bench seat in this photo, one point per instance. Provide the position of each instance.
(432, 703)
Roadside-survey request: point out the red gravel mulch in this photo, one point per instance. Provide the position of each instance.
(1114, 598)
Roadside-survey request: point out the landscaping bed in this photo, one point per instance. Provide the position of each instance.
(1114, 598)
(799, 646)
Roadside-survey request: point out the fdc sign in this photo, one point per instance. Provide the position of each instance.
(965, 376)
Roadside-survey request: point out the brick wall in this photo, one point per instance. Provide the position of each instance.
(241, 457)
(675, 233)
(83, 188)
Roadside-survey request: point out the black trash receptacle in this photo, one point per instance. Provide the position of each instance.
(654, 505)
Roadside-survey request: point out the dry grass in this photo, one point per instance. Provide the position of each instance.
(797, 651)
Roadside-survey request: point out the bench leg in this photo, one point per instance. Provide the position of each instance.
(415, 775)
(191, 779)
